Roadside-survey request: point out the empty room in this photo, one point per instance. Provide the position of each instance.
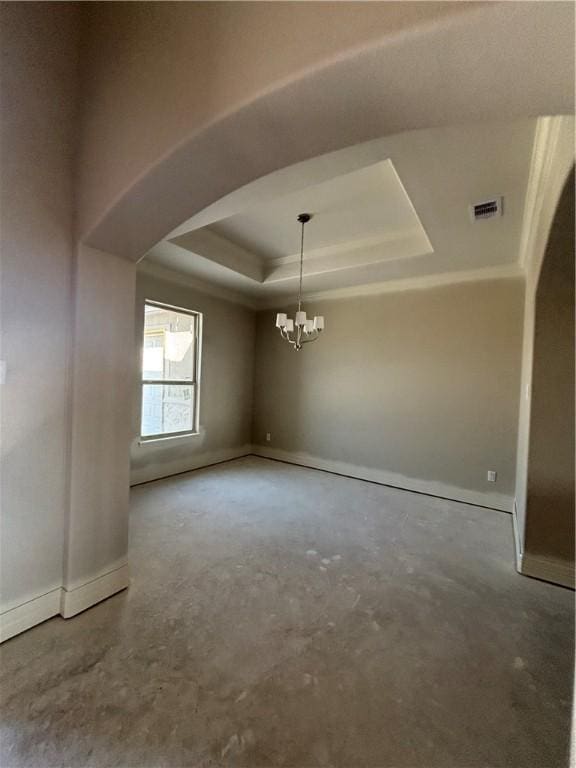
(287, 384)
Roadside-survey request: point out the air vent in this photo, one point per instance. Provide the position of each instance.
(487, 209)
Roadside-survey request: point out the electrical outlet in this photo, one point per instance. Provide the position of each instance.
(268, 436)
(491, 476)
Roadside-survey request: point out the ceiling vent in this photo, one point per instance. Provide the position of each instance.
(487, 209)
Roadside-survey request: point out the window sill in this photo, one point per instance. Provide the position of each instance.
(165, 438)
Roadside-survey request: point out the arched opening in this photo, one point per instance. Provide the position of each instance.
(549, 528)
(387, 84)
(452, 69)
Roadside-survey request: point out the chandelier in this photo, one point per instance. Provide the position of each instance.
(301, 330)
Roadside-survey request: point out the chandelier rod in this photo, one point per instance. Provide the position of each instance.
(302, 219)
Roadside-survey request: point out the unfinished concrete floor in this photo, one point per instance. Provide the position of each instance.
(280, 616)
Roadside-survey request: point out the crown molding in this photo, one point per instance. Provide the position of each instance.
(263, 302)
(424, 282)
(376, 249)
(210, 245)
(369, 241)
(210, 289)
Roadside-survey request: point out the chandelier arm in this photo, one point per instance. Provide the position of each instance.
(286, 335)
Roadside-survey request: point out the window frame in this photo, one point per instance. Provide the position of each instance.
(194, 382)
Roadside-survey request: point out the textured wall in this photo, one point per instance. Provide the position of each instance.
(550, 503)
(38, 83)
(226, 385)
(422, 384)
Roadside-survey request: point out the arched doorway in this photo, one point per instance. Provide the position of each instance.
(549, 526)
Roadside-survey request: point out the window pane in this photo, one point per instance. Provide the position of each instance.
(167, 408)
(169, 344)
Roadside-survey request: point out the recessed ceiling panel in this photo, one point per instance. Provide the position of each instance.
(370, 204)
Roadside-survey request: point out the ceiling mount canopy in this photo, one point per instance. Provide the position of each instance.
(301, 330)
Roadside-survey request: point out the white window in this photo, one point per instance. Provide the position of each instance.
(170, 367)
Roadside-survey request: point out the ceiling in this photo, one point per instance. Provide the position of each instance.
(388, 210)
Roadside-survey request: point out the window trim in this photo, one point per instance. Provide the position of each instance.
(193, 382)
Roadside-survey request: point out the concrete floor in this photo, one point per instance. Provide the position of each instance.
(280, 616)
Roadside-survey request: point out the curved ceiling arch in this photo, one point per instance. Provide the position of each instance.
(503, 61)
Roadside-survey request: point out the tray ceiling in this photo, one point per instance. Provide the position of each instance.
(391, 209)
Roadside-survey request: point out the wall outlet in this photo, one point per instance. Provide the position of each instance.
(268, 436)
(491, 476)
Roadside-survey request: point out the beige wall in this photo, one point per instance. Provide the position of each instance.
(550, 500)
(420, 388)
(226, 384)
(38, 83)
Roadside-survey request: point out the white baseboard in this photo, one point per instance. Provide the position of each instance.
(158, 470)
(80, 598)
(66, 602)
(538, 567)
(35, 611)
(489, 499)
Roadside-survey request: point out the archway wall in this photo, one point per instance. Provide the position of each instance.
(551, 170)
(38, 82)
(549, 529)
(183, 103)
